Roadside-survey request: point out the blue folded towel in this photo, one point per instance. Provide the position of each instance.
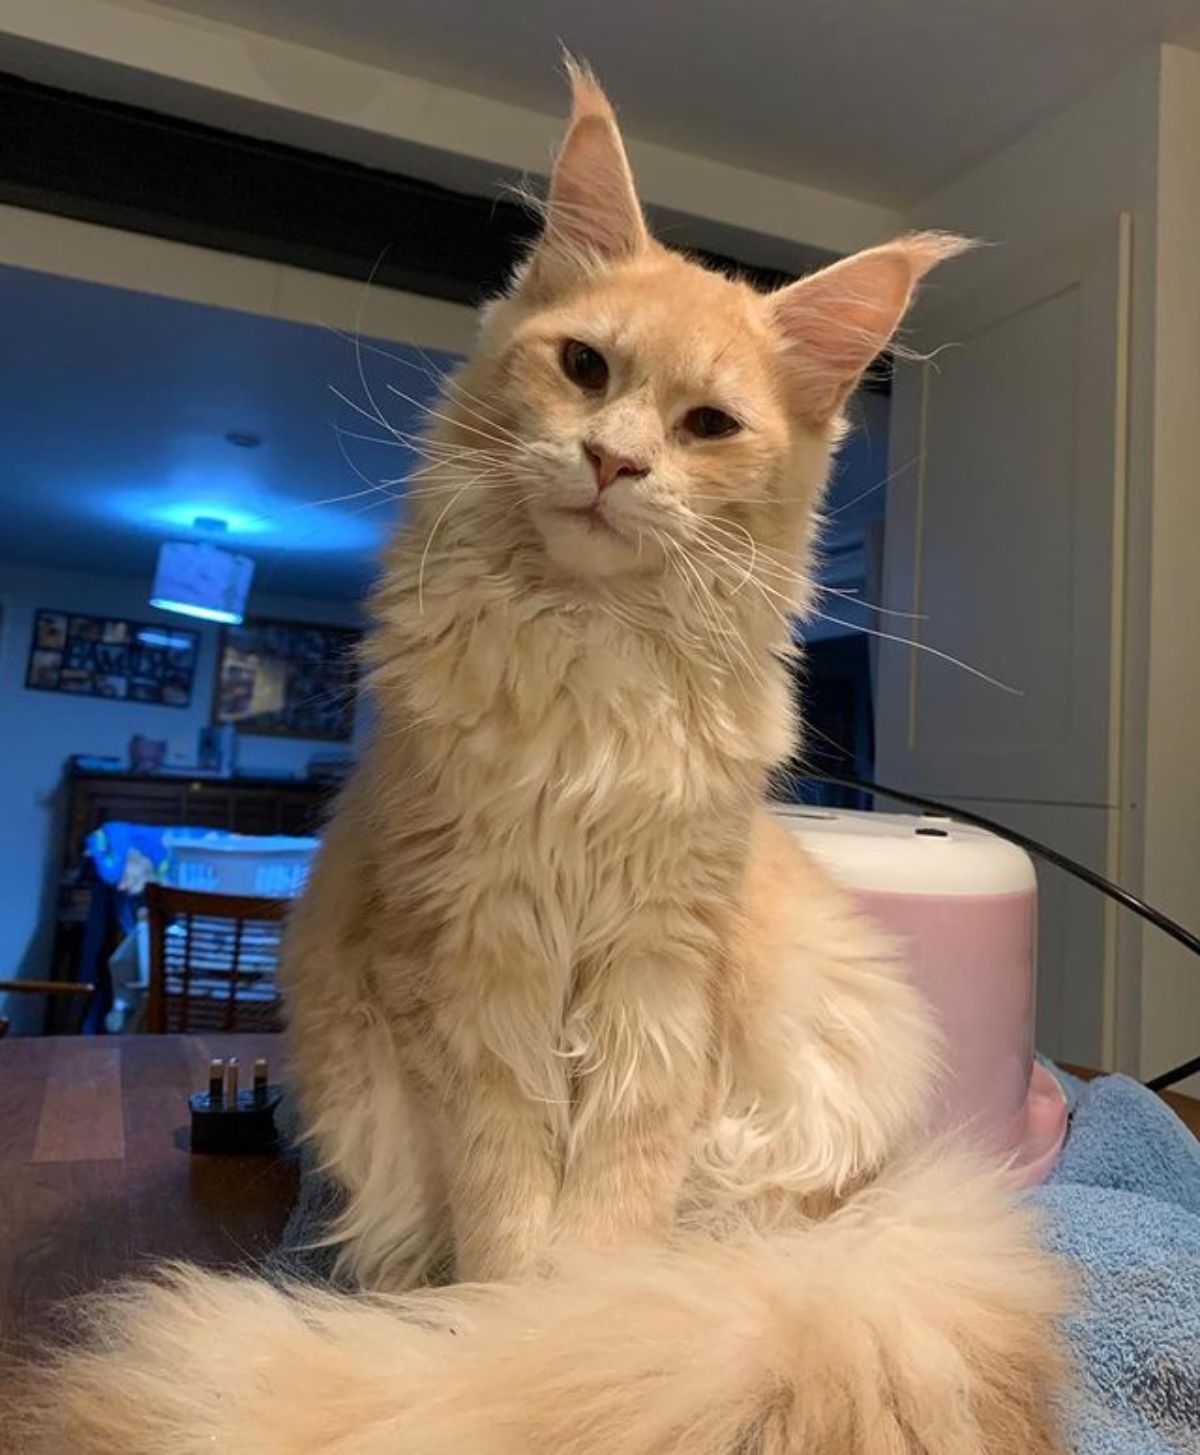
(1123, 1205)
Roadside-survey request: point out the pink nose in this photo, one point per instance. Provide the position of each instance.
(609, 468)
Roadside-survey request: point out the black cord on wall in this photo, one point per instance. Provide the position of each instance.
(1122, 897)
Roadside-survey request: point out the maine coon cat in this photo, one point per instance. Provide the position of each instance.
(570, 1014)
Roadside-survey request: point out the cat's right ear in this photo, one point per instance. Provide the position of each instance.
(834, 322)
(592, 216)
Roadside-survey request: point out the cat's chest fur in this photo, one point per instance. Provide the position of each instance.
(569, 711)
(579, 802)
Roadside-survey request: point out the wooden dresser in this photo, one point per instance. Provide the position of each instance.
(240, 805)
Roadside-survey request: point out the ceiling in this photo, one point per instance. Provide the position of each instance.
(883, 100)
(116, 409)
(115, 412)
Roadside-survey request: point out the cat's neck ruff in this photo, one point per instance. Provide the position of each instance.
(498, 650)
(730, 641)
(697, 613)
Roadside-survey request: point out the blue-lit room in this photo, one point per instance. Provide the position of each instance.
(189, 485)
(599, 786)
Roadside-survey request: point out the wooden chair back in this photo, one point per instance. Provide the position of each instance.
(212, 961)
(76, 990)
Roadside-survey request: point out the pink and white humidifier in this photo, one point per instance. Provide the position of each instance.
(963, 905)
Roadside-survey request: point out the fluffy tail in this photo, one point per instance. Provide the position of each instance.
(919, 1318)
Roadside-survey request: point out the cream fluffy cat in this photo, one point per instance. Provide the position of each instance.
(560, 984)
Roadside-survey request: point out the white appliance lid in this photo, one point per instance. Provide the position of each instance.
(900, 853)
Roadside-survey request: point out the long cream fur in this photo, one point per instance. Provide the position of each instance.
(572, 1018)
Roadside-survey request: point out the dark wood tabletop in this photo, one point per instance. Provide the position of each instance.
(1186, 1108)
(97, 1182)
(96, 1178)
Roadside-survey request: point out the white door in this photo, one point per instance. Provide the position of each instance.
(1008, 552)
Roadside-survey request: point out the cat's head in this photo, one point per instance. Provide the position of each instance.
(649, 412)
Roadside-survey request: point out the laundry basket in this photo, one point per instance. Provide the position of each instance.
(271, 866)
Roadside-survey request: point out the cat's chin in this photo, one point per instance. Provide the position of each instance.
(587, 545)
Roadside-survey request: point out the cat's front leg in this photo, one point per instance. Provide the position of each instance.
(499, 1157)
(504, 1098)
(646, 1019)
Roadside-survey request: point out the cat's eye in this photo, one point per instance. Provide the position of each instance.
(584, 366)
(707, 423)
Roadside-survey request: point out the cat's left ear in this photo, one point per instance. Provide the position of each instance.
(836, 321)
(592, 215)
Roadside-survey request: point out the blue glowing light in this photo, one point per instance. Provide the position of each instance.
(173, 641)
(324, 487)
(187, 512)
(258, 519)
(205, 613)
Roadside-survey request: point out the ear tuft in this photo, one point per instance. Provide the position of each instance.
(587, 95)
(836, 321)
(592, 214)
(927, 249)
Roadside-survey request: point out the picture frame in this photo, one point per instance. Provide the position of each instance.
(293, 679)
(111, 657)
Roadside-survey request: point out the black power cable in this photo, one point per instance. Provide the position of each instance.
(1122, 897)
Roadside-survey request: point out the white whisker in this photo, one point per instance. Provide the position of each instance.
(924, 647)
(879, 485)
(429, 542)
(450, 420)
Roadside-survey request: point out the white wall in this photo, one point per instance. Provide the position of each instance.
(1130, 146)
(47, 243)
(1071, 175)
(1076, 171)
(1170, 1000)
(262, 86)
(40, 730)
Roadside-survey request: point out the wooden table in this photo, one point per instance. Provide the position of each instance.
(96, 1179)
(1186, 1108)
